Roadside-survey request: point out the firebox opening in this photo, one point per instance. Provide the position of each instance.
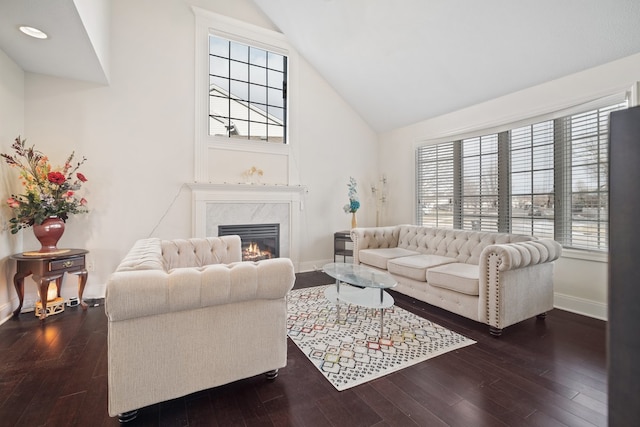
(259, 241)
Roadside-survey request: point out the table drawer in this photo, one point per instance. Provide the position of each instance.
(63, 264)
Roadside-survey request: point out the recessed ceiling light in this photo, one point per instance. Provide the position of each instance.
(33, 32)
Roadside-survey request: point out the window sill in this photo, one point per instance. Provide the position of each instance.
(249, 146)
(585, 255)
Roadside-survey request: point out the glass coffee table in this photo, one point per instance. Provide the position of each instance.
(360, 285)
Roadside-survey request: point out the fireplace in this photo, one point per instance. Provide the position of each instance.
(259, 241)
(231, 204)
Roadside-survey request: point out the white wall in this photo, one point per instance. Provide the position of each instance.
(580, 285)
(138, 136)
(11, 125)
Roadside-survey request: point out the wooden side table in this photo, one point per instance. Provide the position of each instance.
(46, 267)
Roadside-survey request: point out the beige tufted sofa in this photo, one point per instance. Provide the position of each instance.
(187, 315)
(494, 278)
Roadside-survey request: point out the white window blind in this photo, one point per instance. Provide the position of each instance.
(532, 180)
(548, 179)
(582, 147)
(480, 183)
(435, 185)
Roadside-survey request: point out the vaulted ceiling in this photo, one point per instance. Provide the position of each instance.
(395, 62)
(400, 62)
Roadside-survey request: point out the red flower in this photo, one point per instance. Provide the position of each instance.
(13, 203)
(81, 177)
(56, 178)
(69, 194)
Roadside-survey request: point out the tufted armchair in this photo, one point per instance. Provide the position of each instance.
(188, 315)
(495, 278)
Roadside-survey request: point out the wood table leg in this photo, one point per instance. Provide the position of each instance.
(43, 285)
(18, 283)
(82, 281)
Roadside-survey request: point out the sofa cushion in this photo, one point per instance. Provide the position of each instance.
(457, 277)
(415, 267)
(379, 257)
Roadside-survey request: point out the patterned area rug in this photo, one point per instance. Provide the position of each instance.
(349, 351)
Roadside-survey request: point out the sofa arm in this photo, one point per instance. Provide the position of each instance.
(509, 256)
(516, 282)
(373, 238)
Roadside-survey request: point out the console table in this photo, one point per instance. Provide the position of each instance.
(46, 267)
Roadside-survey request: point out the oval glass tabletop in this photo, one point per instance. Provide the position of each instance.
(359, 275)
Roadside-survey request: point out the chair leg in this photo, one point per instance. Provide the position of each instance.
(125, 417)
(496, 332)
(272, 375)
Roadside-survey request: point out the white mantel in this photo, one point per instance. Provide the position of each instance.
(215, 204)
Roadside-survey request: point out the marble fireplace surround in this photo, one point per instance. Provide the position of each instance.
(233, 204)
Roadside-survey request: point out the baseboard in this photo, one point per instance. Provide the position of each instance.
(6, 311)
(304, 267)
(585, 307)
(96, 291)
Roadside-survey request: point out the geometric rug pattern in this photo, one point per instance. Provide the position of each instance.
(347, 348)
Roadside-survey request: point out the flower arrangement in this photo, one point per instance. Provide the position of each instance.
(354, 202)
(48, 191)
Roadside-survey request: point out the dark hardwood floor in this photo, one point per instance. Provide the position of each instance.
(539, 373)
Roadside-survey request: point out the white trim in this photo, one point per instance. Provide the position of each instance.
(208, 22)
(6, 309)
(585, 255)
(508, 122)
(634, 95)
(585, 307)
(203, 194)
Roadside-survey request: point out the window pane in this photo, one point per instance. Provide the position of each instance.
(275, 79)
(218, 66)
(275, 61)
(471, 147)
(258, 116)
(276, 133)
(218, 86)
(543, 157)
(239, 110)
(257, 94)
(520, 160)
(258, 130)
(218, 126)
(258, 75)
(471, 166)
(274, 97)
(239, 71)
(219, 106)
(543, 181)
(218, 46)
(276, 113)
(240, 90)
(257, 56)
(238, 76)
(239, 52)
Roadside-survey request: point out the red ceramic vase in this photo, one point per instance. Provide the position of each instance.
(48, 233)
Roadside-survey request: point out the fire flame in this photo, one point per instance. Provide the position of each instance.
(254, 253)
